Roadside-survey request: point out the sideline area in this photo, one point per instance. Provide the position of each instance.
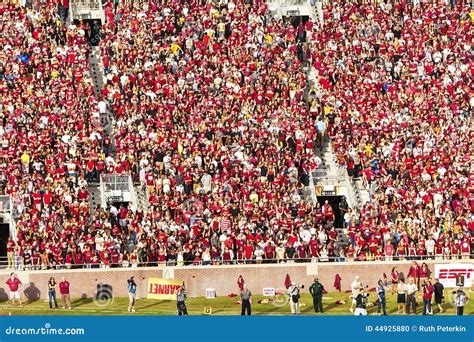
(220, 306)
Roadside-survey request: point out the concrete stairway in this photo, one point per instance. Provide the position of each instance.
(106, 120)
(95, 69)
(94, 196)
(361, 192)
(342, 237)
(328, 172)
(142, 198)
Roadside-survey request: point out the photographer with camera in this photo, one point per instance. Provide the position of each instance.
(294, 293)
(180, 301)
(381, 299)
(361, 301)
(132, 293)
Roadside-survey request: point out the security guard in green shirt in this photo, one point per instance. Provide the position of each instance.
(317, 289)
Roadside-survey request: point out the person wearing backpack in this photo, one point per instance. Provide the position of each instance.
(317, 289)
(294, 292)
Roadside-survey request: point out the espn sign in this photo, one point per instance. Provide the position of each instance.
(446, 273)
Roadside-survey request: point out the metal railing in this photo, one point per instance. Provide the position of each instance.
(111, 182)
(79, 5)
(117, 188)
(112, 188)
(351, 196)
(20, 266)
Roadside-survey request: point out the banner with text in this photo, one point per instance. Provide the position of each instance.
(447, 273)
(159, 288)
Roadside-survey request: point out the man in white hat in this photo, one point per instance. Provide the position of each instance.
(355, 287)
(294, 292)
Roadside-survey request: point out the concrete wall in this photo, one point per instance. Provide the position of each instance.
(197, 279)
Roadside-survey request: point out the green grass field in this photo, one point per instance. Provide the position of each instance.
(220, 306)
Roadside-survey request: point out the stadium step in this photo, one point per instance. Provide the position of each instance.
(96, 72)
(362, 192)
(94, 196)
(107, 119)
(342, 238)
(95, 69)
(142, 197)
(330, 173)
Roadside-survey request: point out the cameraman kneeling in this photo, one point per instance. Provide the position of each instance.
(361, 303)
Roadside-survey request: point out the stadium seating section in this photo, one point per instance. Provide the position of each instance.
(216, 120)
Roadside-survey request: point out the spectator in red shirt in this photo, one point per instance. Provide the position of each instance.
(389, 251)
(427, 291)
(414, 273)
(221, 120)
(424, 273)
(11, 254)
(14, 285)
(269, 251)
(64, 291)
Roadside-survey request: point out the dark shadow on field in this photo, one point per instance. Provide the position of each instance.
(32, 292)
(331, 306)
(80, 302)
(216, 313)
(152, 304)
(3, 295)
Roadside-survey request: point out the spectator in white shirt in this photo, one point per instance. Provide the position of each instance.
(411, 290)
(355, 287)
(430, 245)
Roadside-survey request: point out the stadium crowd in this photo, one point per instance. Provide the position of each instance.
(396, 83)
(48, 133)
(211, 119)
